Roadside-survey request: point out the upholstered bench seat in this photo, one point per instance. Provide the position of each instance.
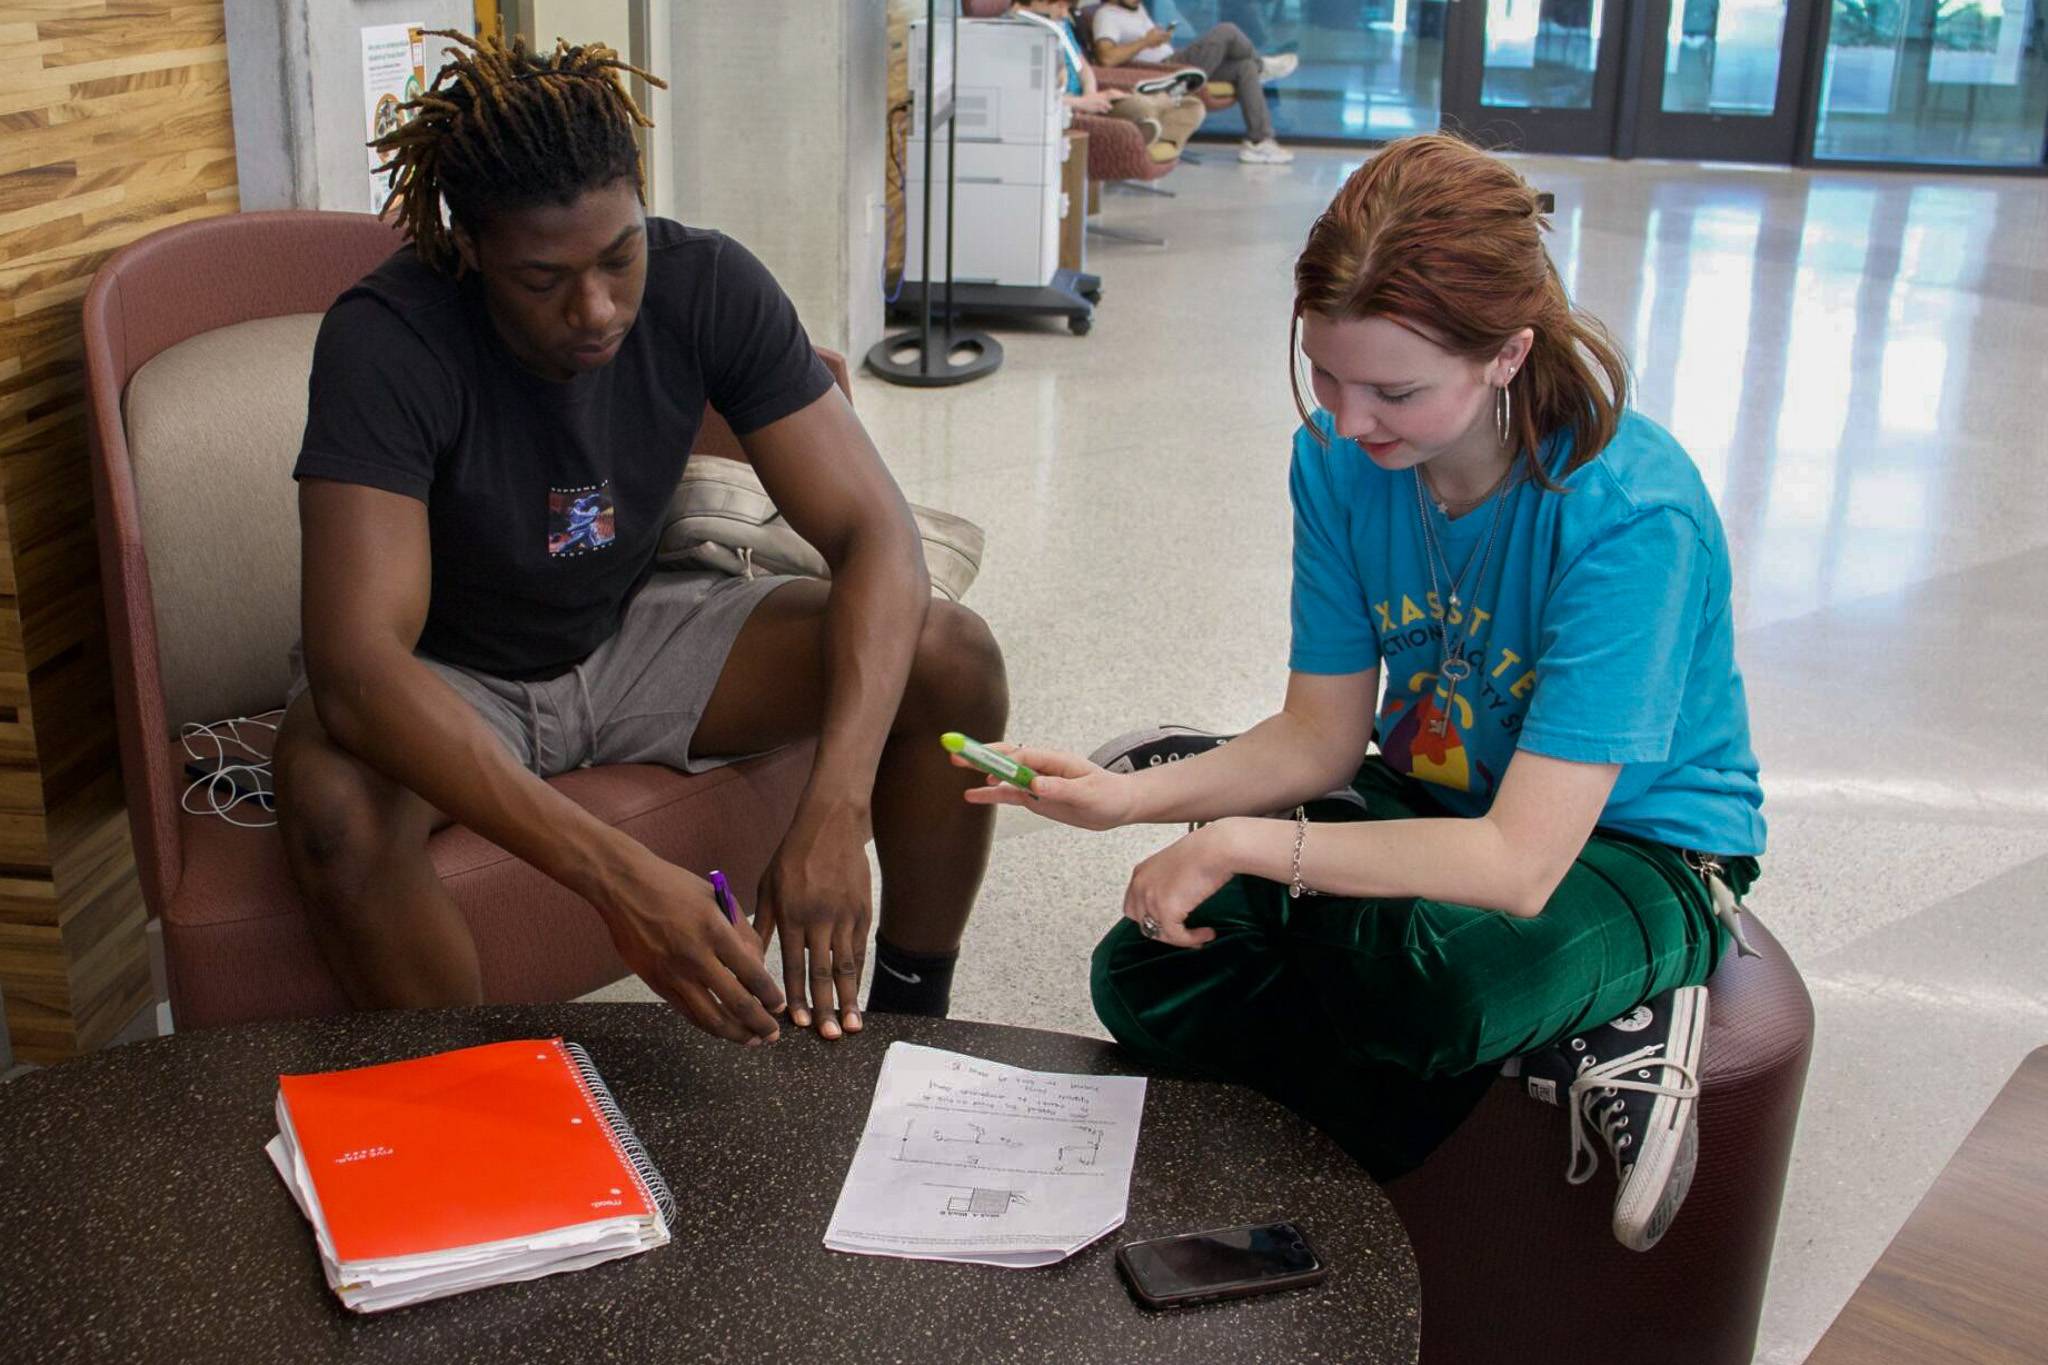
(1519, 1266)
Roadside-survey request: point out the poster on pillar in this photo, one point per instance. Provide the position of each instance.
(394, 74)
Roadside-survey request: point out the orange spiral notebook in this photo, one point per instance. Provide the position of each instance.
(440, 1174)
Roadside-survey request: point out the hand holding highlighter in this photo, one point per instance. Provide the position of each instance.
(988, 760)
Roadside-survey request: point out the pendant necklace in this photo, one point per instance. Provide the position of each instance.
(1452, 666)
(1463, 505)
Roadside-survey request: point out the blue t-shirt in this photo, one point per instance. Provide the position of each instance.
(1070, 51)
(1070, 45)
(1600, 631)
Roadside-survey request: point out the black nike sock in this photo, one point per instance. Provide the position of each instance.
(910, 983)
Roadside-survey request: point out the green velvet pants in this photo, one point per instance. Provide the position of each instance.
(1384, 1021)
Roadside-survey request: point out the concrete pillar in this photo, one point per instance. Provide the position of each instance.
(296, 69)
(773, 128)
(777, 116)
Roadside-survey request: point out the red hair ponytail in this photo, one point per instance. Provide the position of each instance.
(1437, 235)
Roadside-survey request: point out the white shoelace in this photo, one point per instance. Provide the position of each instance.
(1606, 1078)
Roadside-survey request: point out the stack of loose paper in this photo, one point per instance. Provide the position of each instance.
(970, 1160)
(446, 1173)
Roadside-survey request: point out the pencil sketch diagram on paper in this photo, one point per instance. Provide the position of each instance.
(968, 1159)
(1046, 1148)
(968, 1201)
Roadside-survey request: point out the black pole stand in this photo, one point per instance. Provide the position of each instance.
(912, 358)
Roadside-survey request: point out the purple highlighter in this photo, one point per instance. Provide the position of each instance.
(726, 901)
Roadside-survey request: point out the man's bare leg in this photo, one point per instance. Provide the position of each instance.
(933, 847)
(356, 843)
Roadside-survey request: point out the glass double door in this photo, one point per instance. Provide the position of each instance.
(1698, 79)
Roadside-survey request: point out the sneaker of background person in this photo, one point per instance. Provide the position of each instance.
(1278, 67)
(1163, 152)
(1267, 153)
(1186, 81)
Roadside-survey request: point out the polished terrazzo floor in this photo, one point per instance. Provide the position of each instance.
(1856, 362)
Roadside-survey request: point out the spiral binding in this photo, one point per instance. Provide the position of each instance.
(624, 1139)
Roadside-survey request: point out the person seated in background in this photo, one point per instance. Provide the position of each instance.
(1168, 118)
(1242, 13)
(1125, 32)
(1542, 859)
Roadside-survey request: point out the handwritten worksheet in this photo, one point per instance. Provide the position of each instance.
(970, 1160)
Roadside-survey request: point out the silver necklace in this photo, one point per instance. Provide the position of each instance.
(1444, 504)
(1452, 666)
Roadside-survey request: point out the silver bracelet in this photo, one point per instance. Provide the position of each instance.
(1296, 889)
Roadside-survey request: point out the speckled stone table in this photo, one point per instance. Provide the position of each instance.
(140, 1221)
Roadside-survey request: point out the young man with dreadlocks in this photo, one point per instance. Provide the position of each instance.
(497, 419)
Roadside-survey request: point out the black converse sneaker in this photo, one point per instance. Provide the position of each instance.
(1171, 743)
(1636, 1082)
(1150, 748)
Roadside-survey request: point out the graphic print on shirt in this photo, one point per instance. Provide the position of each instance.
(1495, 695)
(580, 520)
(1414, 747)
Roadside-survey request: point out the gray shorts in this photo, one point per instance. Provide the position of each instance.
(637, 699)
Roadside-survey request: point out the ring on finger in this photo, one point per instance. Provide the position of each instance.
(1149, 927)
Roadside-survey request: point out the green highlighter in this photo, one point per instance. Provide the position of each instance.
(988, 760)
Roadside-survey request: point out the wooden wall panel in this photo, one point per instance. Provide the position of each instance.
(114, 122)
(901, 12)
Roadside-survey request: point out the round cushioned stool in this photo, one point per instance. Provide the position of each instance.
(1517, 1265)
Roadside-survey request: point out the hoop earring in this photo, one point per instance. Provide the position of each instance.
(1504, 415)
(1304, 381)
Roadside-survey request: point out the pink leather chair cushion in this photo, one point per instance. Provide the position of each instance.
(238, 947)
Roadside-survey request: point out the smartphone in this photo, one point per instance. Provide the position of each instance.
(1226, 1263)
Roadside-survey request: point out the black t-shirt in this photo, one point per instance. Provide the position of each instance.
(545, 500)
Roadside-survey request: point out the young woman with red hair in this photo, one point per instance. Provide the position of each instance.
(1542, 859)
